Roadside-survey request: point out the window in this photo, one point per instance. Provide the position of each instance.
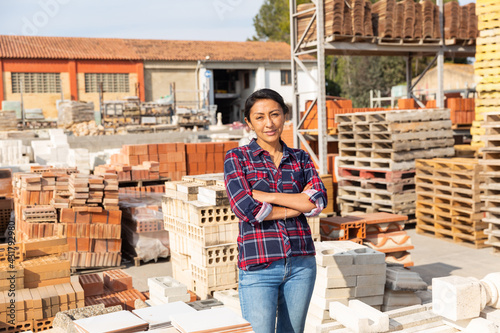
(286, 78)
(36, 83)
(114, 83)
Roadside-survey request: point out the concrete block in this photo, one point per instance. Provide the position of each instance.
(337, 282)
(336, 271)
(408, 310)
(312, 321)
(157, 298)
(319, 312)
(369, 291)
(436, 327)
(335, 292)
(400, 298)
(360, 317)
(229, 297)
(491, 314)
(370, 280)
(324, 303)
(399, 278)
(166, 286)
(414, 320)
(473, 325)
(367, 256)
(375, 269)
(372, 300)
(327, 327)
(327, 254)
(456, 298)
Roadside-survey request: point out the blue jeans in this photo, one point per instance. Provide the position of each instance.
(284, 287)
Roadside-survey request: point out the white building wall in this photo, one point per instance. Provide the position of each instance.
(305, 84)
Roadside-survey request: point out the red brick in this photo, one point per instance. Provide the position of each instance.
(117, 280)
(154, 158)
(219, 147)
(92, 284)
(210, 147)
(190, 148)
(201, 147)
(180, 147)
(143, 158)
(163, 158)
(134, 160)
(141, 149)
(180, 166)
(152, 149)
(162, 148)
(83, 244)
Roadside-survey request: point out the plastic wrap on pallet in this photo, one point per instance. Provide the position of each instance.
(142, 227)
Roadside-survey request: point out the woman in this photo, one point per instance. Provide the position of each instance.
(272, 188)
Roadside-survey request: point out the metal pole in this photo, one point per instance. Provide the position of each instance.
(321, 103)
(295, 89)
(371, 99)
(408, 77)
(22, 102)
(440, 59)
(101, 97)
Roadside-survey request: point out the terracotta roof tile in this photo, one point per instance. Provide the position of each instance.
(34, 47)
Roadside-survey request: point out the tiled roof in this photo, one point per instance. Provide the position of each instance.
(33, 47)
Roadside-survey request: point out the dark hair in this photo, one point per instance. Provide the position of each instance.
(264, 94)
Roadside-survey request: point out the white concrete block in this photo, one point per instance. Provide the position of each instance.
(326, 328)
(336, 282)
(170, 299)
(324, 303)
(372, 300)
(400, 298)
(491, 314)
(369, 291)
(335, 292)
(367, 256)
(327, 254)
(456, 298)
(378, 321)
(319, 312)
(336, 271)
(313, 320)
(166, 286)
(414, 320)
(436, 327)
(370, 280)
(376, 269)
(408, 310)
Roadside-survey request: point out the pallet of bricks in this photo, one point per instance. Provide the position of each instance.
(376, 166)
(84, 209)
(487, 64)
(207, 157)
(491, 174)
(203, 232)
(42, 284)
(449, 200)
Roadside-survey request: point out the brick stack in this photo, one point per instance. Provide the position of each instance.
(207, 157)
(116, 289)
(94, 236)
(449, 201)
(345, 271)
(462, 110)
(202, 234)
(491, 174)
(170, 156)
(487, 64)
(36, 307)
(377, 157)
(6, 207)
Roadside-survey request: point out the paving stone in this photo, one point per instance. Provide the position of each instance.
(436, 327)
(408, 310)
(324, 303)
(372, 300)
(473, 325)
(370, 280)
(399, 278)
(456, 298)
(369, 291)
(335, 292)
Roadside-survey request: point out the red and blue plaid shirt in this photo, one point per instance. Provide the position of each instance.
(261, 242)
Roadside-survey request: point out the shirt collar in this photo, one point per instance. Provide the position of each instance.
(256, 149)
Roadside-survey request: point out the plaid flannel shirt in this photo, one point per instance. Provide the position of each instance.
(261, 242)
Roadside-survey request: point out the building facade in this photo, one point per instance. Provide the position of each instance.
(43, 70)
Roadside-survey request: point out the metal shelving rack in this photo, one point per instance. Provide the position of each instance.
(330, 46)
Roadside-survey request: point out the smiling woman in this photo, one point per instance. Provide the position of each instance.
(272, 188)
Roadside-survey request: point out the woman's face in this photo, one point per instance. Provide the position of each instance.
(267, 120)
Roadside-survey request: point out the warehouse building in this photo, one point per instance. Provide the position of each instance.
(47, 69)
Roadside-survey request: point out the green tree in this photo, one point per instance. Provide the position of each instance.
(272, 23)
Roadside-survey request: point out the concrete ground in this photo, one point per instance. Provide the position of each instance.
(433, 257)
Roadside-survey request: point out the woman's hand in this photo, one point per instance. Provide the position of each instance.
(262, 196)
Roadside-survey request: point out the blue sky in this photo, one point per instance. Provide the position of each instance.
(227, 20)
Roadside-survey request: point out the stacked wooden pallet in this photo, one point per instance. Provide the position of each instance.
(491, 173)
(448, 200)
(377, 157)
(487, 65)
(203, 232)
(94, 236)
(8, 121)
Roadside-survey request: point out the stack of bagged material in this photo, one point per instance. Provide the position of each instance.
(377, 156)
(70, 112)
(487, 62)
(8, 121)
(203, 232)
(143, 233)
(13, 152)
(345, 271)
(213, 320)
(165, 289)
(449, 203)
(491, 176)
(400, 288)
